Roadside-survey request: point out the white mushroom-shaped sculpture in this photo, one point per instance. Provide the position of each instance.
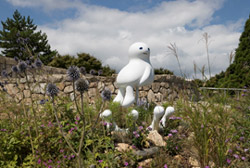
(169, 111)
(106, 115)
(158, 113)
(138, 72)
(134, 114)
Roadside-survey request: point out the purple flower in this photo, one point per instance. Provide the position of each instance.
(134, 132)
(174, 131)
(126, 164)
(206, 166)
(133, 146)
(243, 158)
(137, 135)
(72, 156)
(228, 161)
(77, 118)
(241, 138)
(178, 118)
(202, 126)
(58, 161)
(149, 128)
(227, 140)
(61, 150)
(172, 118)
(65, 156)
(236, 156)
(50, 161)
(49, 166)
(165, 166)
(76, 122)
(100, 161)
(245, 150)
(140, 128)
(39, 161)
(170, 135)
(230, 151)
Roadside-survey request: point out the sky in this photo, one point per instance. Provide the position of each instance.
(106, 29)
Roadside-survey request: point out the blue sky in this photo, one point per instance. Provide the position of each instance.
(106, 28)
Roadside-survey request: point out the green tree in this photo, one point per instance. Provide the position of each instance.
(162, 71)
(19, 38)
(82, 60)
(237, 74)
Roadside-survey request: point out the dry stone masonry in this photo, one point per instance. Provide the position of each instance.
(164, 88)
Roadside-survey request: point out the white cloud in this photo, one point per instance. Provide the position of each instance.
(107, 33)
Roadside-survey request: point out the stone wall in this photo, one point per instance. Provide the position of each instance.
(164, 88)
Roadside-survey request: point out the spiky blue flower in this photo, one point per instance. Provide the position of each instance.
(52, 90)
(73, 73)
(100, 72)
(16, 58)
(4, 74)
(82, 85)
(14, 69)
(83, 70)
(38, 63)
(22, 66)
(106, 94)
(92, 72)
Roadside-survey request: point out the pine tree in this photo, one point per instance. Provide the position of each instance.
(19, 38)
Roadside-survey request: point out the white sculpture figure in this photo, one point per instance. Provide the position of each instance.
(135, 114)
(158, 113)
(138, 72)
(169, 111)
(106, 115)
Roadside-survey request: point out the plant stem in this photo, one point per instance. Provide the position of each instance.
(32, 103)
(74, 91)
(61, 130)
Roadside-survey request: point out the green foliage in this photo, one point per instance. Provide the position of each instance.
(163, 71)
(237, 74)
(82, 60)
(20, 33)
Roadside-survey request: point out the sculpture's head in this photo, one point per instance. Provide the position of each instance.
(139, 50)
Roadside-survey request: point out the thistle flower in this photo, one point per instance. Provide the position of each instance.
(73, 73)
(100, 72)
(83, 70)
(16, 58)
(52, 90)
(22, 66)
(14, 69)
(92, 72)
(106, 94)
(4, 74)
(38, 63)
(82, 85)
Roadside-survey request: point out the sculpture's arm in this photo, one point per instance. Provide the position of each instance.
(145, 75)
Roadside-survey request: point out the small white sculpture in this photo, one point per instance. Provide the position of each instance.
(158, 113)
(169, 111)
(138, 72)
(106, 115)
(135, 114)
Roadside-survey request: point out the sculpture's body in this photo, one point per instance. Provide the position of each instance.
(169, 111)
(158, 113)
(138, 72)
